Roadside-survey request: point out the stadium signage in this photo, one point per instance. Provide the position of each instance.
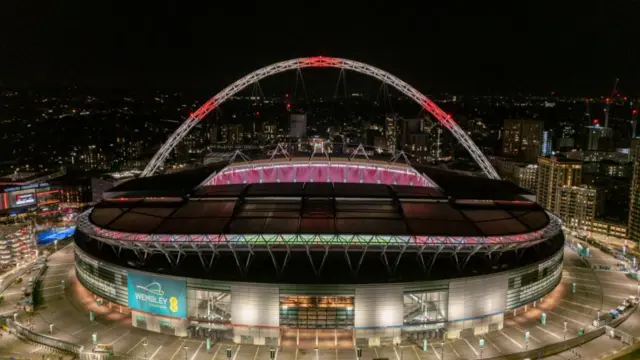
(26, 187)
(157, 295)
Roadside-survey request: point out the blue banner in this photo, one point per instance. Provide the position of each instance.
(157, 295)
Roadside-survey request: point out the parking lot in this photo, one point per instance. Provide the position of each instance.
(595, 291)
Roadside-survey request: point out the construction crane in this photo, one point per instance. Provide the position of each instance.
(608, 101)
(634, 122)
(587, 112)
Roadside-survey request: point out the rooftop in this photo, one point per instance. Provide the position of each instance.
(326, 208)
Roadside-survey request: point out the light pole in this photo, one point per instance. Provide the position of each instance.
(481, 346)
(565, 330)
(526, 340)
(50, 329)
(145, 343)
(443, 342)
(186, 352)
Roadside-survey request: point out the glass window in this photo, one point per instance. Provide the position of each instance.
(315, 312)
(208, 305)
(426, 307)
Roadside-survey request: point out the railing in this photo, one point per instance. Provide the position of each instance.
(53, 344)
(628, 353)
(97, 356)
(22, 332)
(562, 346)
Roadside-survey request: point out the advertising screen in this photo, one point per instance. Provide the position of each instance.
(157, 295)
(22, 198)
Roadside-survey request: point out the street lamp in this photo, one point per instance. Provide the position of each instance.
(50, 329)
(145, 343)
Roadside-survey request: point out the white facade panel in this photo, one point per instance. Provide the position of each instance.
(159, 324)
(477, 296)
(378, 306)
(255, 305)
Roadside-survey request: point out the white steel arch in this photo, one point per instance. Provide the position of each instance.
(444, 118)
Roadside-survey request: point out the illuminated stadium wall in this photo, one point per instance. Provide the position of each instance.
(335, 172)
(476, 304)
(257, 312)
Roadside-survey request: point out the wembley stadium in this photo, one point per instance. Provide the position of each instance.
(289, 248)
(325, 248)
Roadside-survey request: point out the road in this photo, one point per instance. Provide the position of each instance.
(71, 322)
(615, 287)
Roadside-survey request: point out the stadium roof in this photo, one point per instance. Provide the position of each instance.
(329, 208)
(472, 187)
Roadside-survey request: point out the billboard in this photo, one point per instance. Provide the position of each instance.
(22, 198)
(157, 295)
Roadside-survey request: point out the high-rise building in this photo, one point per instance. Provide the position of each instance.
(523, 138)
(554, 172)
(409, 128)
(526, 176)
(214, 134)
(391, 132)
(597, 138)
(633, 149)
(298, 126)
(547, 143)
(234, 134)
(577, 206)
(634, 199)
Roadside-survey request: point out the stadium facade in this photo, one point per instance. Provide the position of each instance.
(290, 250)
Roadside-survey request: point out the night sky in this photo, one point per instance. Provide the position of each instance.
(441, 46)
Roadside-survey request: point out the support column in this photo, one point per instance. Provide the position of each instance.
(297, 336)
(316, 337)
(335, 334)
